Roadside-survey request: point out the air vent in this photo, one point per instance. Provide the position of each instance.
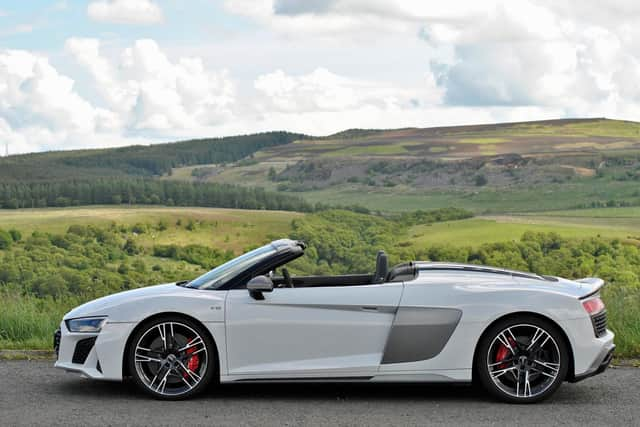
(83, 347)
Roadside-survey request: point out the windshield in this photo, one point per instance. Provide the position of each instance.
(221, 274)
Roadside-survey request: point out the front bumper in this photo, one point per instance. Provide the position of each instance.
(93, 355)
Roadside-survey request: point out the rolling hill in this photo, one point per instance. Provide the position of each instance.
(554, 164)
(542, 165)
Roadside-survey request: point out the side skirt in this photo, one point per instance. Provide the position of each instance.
(303, 380)
(459, 376)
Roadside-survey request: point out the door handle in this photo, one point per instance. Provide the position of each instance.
(369, 308)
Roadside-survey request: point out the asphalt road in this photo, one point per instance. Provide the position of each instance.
(34, 393)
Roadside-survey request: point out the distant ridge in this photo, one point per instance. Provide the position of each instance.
(445, 142)
(358, 132)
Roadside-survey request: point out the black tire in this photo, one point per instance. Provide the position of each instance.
(555, 349)
(142, 372)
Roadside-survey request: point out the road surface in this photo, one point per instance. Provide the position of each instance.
(34, 393)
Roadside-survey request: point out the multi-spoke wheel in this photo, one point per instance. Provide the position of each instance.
(171, 358)
(522, 360)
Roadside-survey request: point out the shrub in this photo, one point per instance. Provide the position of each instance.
(15, 235)
(5, 239)
(480, 180)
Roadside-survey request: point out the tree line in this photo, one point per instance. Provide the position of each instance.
(129, 190)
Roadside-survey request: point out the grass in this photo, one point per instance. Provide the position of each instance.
(369, 150)
(233, 229)
(623, 312)
(476, 231)
(546, 197)
(25, 316)
(485, 140)
(626, 212)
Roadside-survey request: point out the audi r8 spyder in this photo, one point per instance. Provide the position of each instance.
(519, 335)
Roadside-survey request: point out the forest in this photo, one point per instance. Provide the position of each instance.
(127, 190)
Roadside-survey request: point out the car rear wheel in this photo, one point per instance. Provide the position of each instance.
(522, 360)
(172, 358)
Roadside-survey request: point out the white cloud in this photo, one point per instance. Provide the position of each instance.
(33, 89)
(150, 92)
(125, 11)
(556, 54)
(321, 102)
(322, 90)
(320, 66)
(143, 96)
(40, 108)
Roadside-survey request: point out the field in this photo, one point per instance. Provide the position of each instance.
(233, 229)
(476, 231)
(547, 197)
(236, 229)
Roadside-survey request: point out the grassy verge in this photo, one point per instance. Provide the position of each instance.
(28, 322)
(623, 310)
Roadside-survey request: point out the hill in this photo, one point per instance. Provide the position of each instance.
(526, 166)
(138, 160)
(553, 164)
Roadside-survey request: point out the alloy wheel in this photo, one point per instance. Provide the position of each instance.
(523, 361)
(171, 358)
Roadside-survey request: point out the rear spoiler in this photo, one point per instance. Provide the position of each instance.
(594, 285)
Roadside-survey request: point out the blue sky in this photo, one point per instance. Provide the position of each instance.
(96, 73)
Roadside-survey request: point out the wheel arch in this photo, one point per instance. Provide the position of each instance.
(565, 337)
(125, 368)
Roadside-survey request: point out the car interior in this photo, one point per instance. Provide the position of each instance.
(382, 274)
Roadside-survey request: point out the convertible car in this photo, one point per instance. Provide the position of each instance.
(519, 335)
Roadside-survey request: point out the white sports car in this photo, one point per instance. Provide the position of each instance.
(520, 335)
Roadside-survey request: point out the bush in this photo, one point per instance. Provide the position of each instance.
(130, 247)
(480, 180)
(15, 235)
(5, 239)
(139, 228)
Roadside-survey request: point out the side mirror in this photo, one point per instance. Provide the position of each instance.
(258, 285)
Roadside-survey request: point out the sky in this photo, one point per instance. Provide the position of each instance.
(99, 73)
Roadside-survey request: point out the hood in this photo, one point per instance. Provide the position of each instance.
(102, 306)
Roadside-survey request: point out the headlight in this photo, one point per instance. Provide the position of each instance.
(86, 324)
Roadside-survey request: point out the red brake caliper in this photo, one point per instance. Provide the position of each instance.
(503, 353)
(193, 362)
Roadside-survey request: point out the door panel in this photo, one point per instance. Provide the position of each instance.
(315, 330)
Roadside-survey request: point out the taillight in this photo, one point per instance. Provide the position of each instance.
(593, 305)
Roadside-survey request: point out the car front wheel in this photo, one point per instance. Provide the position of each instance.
(522, 360)
(172, 358)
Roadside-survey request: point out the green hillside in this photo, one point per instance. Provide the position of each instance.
(495, 168)
(511, 167)
(139, 160)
